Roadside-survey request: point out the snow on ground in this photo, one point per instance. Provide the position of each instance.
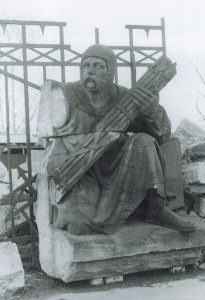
(186, 289)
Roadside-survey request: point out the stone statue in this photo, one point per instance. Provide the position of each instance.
(129, 174)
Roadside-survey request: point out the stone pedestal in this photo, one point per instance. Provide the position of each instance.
(133, 248)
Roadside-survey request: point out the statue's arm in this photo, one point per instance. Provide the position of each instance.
(158, 124)
(53, 109)
(154, 117)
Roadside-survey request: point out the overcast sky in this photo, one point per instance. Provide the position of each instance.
(185, 37)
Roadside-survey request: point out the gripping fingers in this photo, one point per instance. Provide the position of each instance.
(148, 92)
(144, 95)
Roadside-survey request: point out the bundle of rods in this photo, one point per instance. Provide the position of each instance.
(95, 144)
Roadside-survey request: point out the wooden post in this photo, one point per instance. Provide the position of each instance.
(44, 74)
(28, 143)
(132, 58)
(116, 76)
(9, 152)
(62, 54)
(97, 39)
(163, 37)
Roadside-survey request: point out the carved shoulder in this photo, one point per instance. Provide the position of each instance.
(53, 108)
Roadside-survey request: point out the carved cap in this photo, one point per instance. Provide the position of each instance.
(103, 52)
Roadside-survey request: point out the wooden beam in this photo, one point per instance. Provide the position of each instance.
(7, 54)
(28, 45)
(30, 223)
(41, 55)
(9, 231)
(19, 188)
(145, 27)
(38, 23)
(17, 211)
(15, 77)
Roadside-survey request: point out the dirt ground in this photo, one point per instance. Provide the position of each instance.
(40, 286)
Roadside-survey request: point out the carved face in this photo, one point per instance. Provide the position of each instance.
(95, 75)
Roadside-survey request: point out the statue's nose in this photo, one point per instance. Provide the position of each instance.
(91, 70)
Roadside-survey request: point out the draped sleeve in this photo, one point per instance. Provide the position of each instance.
(53, 109)
(158, 125)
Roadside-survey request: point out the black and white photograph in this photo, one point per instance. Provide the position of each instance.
(102, 149)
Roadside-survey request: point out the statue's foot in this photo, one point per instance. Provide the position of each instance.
(157, 213)
(79, 229)
(167, 218)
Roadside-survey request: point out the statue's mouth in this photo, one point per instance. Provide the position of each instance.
(90, 84)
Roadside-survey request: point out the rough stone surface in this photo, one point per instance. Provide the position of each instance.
(4, 210)
(96, 281)
(194, 172)
(199, 206)
(194, 190)
(172, 155)
(197, 152)
(179, 269)
(193, 214)
(202, 266)
(71, 258)
(113, 279)
(11, 270)
(189, 134)
(132, 248)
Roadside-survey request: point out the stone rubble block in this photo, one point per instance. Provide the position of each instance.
(194, 215)
(4, 210)
(96, 281)
(202, 266)
(189, 134)
(194, 172)
(195, 190)
(11, 270)
(198, 151)
(199, 206)
(113, 279)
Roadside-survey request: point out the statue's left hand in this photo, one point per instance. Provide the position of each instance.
(147, 100)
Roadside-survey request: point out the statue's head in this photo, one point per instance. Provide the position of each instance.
(98, 66)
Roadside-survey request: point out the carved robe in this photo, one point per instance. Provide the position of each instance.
(117, 183)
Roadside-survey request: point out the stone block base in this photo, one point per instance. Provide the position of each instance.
(134, 248)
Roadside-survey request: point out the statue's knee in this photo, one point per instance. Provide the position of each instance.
(78, 229)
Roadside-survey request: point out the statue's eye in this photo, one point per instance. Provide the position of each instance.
(99, 66)
(85, 65)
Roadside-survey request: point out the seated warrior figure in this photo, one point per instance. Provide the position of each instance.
(130, 172)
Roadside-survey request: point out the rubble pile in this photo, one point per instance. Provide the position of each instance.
(189, 135)
(192, 140)
(193, 170)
